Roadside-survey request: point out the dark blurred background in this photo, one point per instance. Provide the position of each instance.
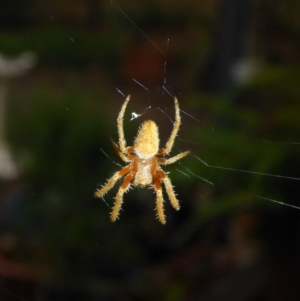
(234, 66)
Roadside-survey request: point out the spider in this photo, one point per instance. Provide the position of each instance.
(144, 160)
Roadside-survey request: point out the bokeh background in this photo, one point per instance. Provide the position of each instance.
(234, 66)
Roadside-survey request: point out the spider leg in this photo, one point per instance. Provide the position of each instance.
(122, 141)
(159, 199)
(175, 130)
(119, 197)
(173, 159)
(169, 188)
(112, 181)
(118, 150)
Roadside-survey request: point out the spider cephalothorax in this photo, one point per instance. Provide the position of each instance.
(144, 158)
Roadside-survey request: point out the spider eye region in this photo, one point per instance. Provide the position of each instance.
(146, 143)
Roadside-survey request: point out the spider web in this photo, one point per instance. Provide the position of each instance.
(166, 94)
(156, 102)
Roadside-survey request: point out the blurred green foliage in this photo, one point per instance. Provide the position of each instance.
(56, 134)
(61, 48)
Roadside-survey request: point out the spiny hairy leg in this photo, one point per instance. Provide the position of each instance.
(122, 141)
(112, 181)
(119, 197)
(160, 206)
(118, 150)
(175, 130)
(176, 158)
(159, 200)
(117, 206)
(171, 194)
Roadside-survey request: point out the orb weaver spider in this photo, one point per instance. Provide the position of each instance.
(144, 160)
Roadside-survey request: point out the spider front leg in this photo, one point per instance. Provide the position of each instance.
(175, 130)
(122, 141)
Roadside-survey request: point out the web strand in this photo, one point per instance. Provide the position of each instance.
(248, 171)
(135, 25)
(278, 202)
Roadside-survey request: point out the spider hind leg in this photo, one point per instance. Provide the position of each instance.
(119, 197)
(158, 177)
(112, 181)
(169, 189)
(171, 193)
(159, 200)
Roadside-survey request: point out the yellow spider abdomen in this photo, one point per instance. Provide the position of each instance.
(147, 141)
